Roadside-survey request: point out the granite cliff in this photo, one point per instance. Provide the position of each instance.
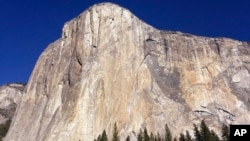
(109, 66)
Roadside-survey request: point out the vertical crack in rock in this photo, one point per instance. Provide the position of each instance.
(218, 48)
(166, 48)
(215, 45)
(95, 26)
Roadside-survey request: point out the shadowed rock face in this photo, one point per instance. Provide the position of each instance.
(109, 67)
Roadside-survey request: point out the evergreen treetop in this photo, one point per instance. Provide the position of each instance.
(104, 136)
(213, 136)
(188, 136)
(146, 136)
(225, 135)
(182, 137)
(202, 134)
(197, 133)
(115, 134)
(168, 135)
(204, 131)
(140, 136)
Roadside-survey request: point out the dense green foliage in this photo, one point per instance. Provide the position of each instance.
(182, 137)
(200, 134)
(197, 133)
(140, 136)
(188, 137)
(225, 133)
(102, 137)
(145, 135)
(168, 135)
(205, 134)
(214, 136)
(4, 129)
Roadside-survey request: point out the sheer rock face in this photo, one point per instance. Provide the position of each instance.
(10, 97)
(109, 67)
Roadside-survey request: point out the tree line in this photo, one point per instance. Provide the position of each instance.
(202, 133)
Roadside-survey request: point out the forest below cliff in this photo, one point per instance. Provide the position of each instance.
(202, 133)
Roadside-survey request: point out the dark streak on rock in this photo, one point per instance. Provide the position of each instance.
(202, 111)
(215, 46)
(165, 44)
(168, 83)
(226, 111)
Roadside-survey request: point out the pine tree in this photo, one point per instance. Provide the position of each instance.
(155, 138)
(152, 137)
(188, 137)
(145, 136)
(168, 135)
(140, 136)
(128, 138)
(115, 134)
(182, 137)
(213, 136)
(158, 137)
(205, 132)
(99, 138)
(104, 136)
(197, 133)
(225, 133)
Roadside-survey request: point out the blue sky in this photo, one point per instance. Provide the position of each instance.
(28, 26)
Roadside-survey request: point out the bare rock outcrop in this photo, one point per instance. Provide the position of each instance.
(109, 67)
(10, 97)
